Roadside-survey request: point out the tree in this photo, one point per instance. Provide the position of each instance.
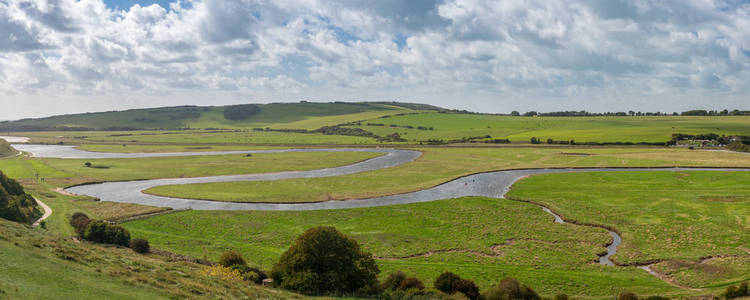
(515, 113)
(534, 140)
(324, 261)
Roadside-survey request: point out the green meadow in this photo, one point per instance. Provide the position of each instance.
(448, 126)
(676, 216)
(529, 242)
(198, 166)
(438, 165)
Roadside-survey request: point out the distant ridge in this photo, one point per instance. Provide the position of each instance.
(214, 117)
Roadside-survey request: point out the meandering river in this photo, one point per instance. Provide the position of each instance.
(490, 184)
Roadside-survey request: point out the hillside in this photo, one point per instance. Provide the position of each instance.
(15, 203)
(302, 115)
(6, 149)
(38, 264)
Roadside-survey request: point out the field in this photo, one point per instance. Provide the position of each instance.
(438, 165)
(198, 166)
(677, 216)
(581, 129)
(689, 227)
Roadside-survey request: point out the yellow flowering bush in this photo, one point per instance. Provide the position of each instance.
(222, 272)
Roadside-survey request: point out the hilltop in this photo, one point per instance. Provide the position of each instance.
(303, 115)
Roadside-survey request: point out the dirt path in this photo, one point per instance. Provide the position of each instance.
(667, 279)
(47, 212)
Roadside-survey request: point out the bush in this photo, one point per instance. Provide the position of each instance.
(561, 297)
(102, 232)
(734, 291)
(657, 298)
(324, 261)
(627, 296)
(231, 258)
(393, 281)
(250, 274)
(87, 164)
(79, 221)
(411, 283)
(140, 245)
(510, 288)
(450, 283)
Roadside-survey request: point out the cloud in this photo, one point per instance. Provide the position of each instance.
(497, 55)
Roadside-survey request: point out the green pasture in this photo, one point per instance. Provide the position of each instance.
(581, 129)
(194, 137)
(199, 166)
(681, 216)
(438, 165)
(550, 257)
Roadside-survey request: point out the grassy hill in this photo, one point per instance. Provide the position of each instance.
(304, 115)
(15, 203)
(39, 264)
(6, 149)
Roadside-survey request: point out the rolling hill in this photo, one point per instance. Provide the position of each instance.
(302, 115)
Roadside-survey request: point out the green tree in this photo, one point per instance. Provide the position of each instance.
(324, 261)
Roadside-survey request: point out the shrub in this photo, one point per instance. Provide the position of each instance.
(561, 297)
(444, 282)
(250, 274)
(510, 288)
(222, 273)
(87, 164)
(734, 291)
(140, 245)
(450, 283)
(231, 258)
(102, 232)
(324, 261)
(411, 283)
(657, 298)
(627, 296)
(79, 221)
(393, 281)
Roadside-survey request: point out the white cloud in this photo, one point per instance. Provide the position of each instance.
(63, 56)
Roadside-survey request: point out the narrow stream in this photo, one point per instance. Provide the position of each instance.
(611, 249)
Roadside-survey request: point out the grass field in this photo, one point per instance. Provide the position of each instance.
(532, 253)
(38, 264)
(580, 129)
(677, 216)
(438, 165)
(195, 137)
(198, 166)
(680, 216)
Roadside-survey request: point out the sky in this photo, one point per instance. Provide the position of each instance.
(69, 56)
